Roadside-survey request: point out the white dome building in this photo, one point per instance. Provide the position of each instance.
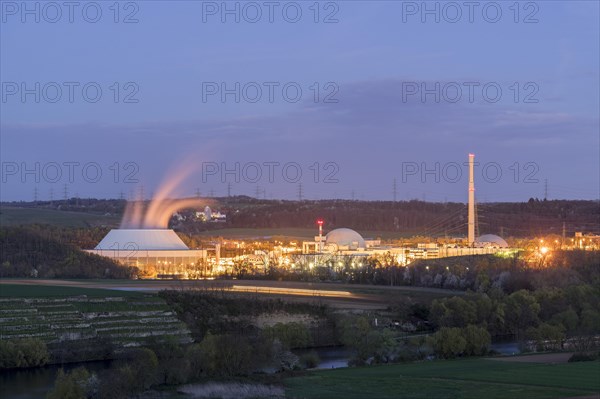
(344, 238)
(490, 240)
(142, 239)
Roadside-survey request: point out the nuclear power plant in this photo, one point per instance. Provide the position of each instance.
(159, 252)
(346, 242)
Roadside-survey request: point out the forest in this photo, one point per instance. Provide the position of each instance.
(518, 219)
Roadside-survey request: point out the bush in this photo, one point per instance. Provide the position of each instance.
(291, 335)
(225, 355)
(173, 367)
(310, 360)
(448, 342)
(136, 372)
(72, 385)
(583, 357)
(28, 352)
(547, 336)
(478, 340)
(370, 344)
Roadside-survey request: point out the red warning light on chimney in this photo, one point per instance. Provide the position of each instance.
(320, 222)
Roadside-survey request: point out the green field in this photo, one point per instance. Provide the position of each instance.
(288, 232)
(13, 216)
(47, 291)
(471, 378)
(245, 233)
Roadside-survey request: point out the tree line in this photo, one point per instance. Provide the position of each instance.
(515, 219)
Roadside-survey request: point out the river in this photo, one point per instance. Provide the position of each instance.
(36, 382)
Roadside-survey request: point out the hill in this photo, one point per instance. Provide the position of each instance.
(50, 252)
(522, 219)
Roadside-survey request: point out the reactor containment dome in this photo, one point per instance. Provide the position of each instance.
(143, 239)
(344, 237)
(491, 240)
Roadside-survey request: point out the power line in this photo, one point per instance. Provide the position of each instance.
(442, 224)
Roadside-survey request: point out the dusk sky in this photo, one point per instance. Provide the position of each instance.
(161, 104)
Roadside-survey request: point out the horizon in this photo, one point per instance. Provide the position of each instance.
(242, 196)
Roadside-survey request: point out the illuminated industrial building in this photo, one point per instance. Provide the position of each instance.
(156, 252)
(345, 242)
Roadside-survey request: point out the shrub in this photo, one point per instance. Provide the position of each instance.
(72, 385)
(478, 340)
(291, 335)
(448, 342)
(547, 336)
(583, 357)
(310, 360)
(28, 352)
(225, 355)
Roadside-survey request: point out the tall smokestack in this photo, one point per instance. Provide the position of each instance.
(471, 234)
(320, 223)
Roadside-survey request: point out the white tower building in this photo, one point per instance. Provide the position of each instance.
(471, 231)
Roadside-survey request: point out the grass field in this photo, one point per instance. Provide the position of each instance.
(246, 233)
(47, 291)
(13, 216)
(471, 378)
(289, 232)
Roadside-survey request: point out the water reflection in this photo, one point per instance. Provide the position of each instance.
(35, 383)
(330, 357)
